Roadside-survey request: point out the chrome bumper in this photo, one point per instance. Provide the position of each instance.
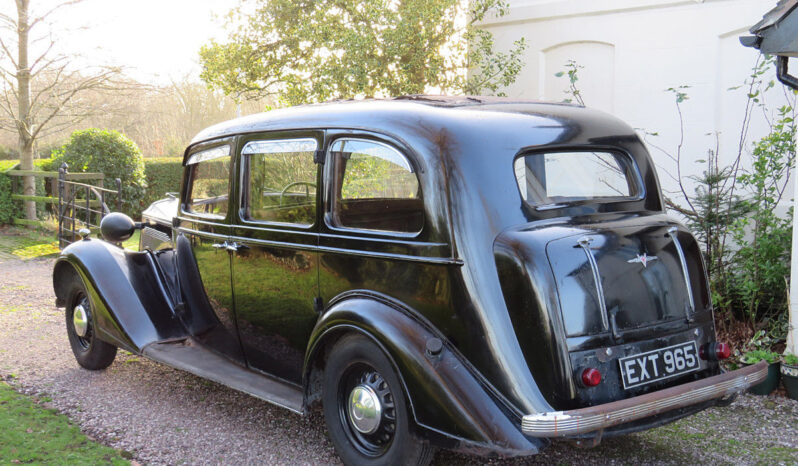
(580, 421)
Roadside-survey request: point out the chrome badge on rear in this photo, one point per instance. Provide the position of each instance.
(644, 259)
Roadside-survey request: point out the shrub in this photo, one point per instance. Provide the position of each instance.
(110, 153)
(164, 175)
(9, 209)
(753, 357)
(45, 165)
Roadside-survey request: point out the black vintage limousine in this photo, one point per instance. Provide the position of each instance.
(475, 274)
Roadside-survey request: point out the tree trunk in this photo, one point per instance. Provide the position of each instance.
(24, 122)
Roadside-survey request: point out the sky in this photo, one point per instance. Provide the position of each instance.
(155, 40)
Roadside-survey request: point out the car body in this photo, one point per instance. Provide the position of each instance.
(498, 253)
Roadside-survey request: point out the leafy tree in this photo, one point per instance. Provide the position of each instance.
(309, 50)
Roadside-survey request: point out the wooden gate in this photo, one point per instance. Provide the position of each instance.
(82, 205)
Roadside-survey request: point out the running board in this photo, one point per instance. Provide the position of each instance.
(190, 356)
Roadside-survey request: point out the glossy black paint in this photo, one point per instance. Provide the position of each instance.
(132, 305)
(444, 387)
(117, 227)
(499, 282)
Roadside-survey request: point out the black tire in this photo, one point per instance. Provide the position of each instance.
(90, 352)
(357, 361)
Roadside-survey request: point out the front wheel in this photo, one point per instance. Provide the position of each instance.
(365, 407)
(90, 352)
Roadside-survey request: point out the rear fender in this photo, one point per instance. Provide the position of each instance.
(451, 404)
(130, 301)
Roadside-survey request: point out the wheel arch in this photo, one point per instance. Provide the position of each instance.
(450, 404)
(128, 311)
(63, 271)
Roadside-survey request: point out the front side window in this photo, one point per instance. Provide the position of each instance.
(210, 182)
(557, 177)
(375, 188)
(281, 186)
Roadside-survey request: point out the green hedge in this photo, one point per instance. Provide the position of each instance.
(9, 209)
(163, 176)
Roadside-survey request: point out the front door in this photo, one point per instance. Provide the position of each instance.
(202, 247)
(275, 258)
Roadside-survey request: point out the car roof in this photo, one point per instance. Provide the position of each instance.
(384, 114)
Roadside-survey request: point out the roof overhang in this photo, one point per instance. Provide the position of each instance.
(777, 34)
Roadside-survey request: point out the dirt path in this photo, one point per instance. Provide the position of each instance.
(164, 416)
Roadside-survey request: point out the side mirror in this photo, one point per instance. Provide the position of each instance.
(117, 227)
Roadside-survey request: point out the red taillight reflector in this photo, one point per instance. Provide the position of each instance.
(722, 351)
(591, 377)
(714, 351)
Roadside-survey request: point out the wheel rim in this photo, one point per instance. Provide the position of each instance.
(81, 321)
(367, 410)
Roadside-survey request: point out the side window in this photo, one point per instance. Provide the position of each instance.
(281, 182)
(375, 188)
(210, 182)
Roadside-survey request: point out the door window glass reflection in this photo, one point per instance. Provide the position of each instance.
(281, 186)
(210, 182)
(375, 188)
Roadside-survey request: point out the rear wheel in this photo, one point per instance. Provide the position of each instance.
(90, 352)
(366, 409)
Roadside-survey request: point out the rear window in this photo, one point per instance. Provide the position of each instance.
(562, 177)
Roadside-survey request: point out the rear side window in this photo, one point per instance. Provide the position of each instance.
(375, 188)
(210, 182)
(281, 185)
(558, 177)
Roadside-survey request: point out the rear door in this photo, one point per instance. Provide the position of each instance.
(274, 243)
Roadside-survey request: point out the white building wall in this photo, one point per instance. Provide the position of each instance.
(632, 51)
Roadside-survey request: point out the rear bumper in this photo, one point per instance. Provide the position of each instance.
(584, 420)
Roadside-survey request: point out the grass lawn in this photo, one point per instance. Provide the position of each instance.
(26, 243)
(31, 433)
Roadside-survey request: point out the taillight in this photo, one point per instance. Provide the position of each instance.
(714, 351)
(722, 351)
(591, 377)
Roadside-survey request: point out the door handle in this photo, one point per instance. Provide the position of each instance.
(235, 246)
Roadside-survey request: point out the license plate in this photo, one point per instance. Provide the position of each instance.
(660, 364)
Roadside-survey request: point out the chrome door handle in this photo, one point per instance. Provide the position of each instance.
(235, 246)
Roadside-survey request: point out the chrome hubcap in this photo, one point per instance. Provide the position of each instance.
(365, 410)
(80, 320)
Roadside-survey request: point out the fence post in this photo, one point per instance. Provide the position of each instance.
(61, 177)
(72, 213)
(88, 208)
(118, 195)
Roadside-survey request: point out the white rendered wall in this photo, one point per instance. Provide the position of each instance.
(632, 50)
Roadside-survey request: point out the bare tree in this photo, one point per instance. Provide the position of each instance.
(41, 94)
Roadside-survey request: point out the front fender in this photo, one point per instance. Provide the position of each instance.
(130, 306)
(453, 406)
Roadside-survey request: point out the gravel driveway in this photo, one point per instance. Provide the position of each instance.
(164, 416)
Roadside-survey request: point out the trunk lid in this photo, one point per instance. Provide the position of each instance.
(622, 277)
